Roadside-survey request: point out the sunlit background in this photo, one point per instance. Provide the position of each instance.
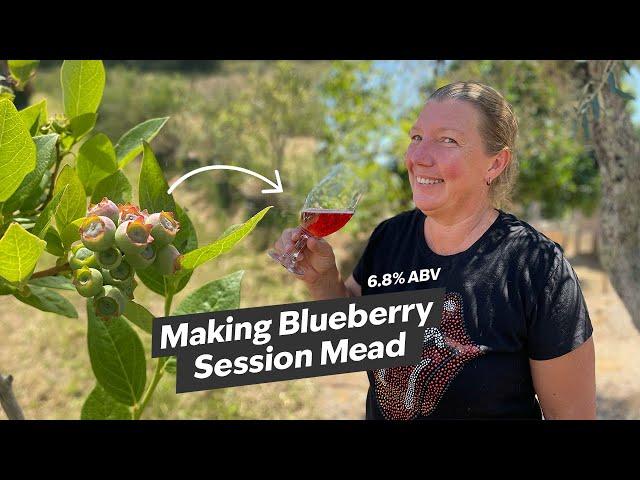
(300, 118)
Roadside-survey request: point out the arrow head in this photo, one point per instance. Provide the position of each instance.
(278, 185)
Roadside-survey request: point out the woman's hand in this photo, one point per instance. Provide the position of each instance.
(317, 258)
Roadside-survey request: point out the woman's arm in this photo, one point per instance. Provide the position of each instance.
(566, 385)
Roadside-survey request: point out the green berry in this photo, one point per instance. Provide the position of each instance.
(75, 246)
(165, 228)
(128, 287)
(83, 258)
(97, 233)
(132, 236)
(109, 259)
(122, 272)
(105, 208)
(167, 260)
(144, 259)
(88, 281)
(110, 303)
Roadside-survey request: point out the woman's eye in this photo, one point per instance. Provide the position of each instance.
(416, 138)
(448, 140)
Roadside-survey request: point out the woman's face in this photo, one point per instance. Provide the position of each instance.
(446, 147)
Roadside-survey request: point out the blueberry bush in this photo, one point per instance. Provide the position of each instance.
(63, 191)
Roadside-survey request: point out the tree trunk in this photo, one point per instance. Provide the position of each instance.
(617, 150)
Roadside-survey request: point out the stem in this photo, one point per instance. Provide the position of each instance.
(159, 371)
(49, 272)
(8, 400)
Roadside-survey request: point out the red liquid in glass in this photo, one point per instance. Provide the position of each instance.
(321, 223)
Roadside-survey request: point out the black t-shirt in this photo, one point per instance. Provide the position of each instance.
(509, 297)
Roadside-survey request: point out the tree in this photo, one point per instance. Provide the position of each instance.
(617, 148)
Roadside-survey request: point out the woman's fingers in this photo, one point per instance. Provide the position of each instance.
(286, 242)
(321, 255)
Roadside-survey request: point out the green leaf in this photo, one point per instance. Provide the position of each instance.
(186, 239)
(19, 253)
(139, 316)
(153, 280)
(171, 366)
(34, 116)
(71, 233)
(82, 86)
(116, 187)
(46, 153)
(44, 220)
(230, 229)
(625, 95)
(82, 124)
(611, 80)
(22, 70)
(220, 294)
(595, 106)
(96, 160)
(54, 243)
(17, 150)
(74, 202)
(152, 186)
(7, 288)
(225, 243)
(59, 282)
(117, 357)
(101, 406)
(48, 301)
(585, 126)
(130, 144)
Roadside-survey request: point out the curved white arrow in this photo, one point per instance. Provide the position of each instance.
(277, 187)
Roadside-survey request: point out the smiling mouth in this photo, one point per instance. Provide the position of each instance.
(428, 180)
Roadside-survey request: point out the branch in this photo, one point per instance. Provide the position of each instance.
(8, 400)
(49, 272)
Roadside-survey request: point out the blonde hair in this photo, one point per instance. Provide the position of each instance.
(498, 129)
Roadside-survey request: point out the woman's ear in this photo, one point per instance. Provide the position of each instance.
(500, 162)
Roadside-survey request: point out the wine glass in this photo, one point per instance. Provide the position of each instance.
(328, 208)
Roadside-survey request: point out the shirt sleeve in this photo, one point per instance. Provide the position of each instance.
(560, 320)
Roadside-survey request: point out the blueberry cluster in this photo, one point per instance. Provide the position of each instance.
(115, 242)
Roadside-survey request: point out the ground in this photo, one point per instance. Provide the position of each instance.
(48, 357)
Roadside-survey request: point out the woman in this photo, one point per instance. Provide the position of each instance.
(514, 321)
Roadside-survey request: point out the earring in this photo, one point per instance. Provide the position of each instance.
(488, 182)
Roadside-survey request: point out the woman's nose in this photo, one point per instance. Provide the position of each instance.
(421, 154)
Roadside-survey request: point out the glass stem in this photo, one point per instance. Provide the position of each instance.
(300, 244)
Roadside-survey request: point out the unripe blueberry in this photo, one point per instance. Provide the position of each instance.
(88, 281)
(167, 260)
(109, 259)
(75, 246)
(128, 287)
(97, 233)
(128, 211)
(83, 258)
(122, 272)
(165, 228)
(132, 236)
(105, 208)
(144, 259)
(110, 303)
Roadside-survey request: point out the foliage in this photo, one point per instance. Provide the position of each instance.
(556, 171)
(54, 168)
